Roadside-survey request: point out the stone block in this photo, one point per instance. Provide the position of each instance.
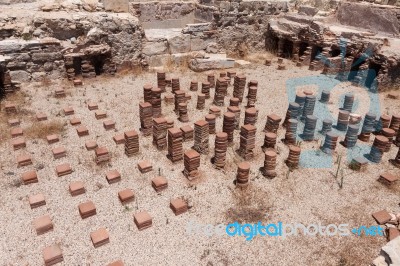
(155, 48)
(179, 44)
(116, 5)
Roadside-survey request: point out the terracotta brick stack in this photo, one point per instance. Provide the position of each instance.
(24, 160)
(269, 141)
(175, 149)
(236, 111)
(191, 164)
(242, 176)
(201, 101)
(291, 129)
(384, 122)
(348, 102)
(300, 99)
(326, 126)
(183, 113)
(272, 123)
(252, 96)
(194, 85)
(294, 156)
(221, 146)
(215, 111)
(234, 102)
(145, 166)
(52, 255)
(210, 118)
(268, 170)
(205, 89)
(325, 96)
(292, 112)
(396, 160)
(131, 143)
(170, 123)
(175, 84)
(187, 133)
(330, 142)
(351, 136)
(146, 118)
(368, 127)
(102, 155)
(229, 125)
(100, 114)
(231, 74)
(221, 89)
(63, 169)
(389, 133)
(395, 123)
(397, 140)
(343, 120)
(159, 183)
(143, 220)
(161, 82)
(239, 85)
(156, 102)
(169, 99)
(309, 106)
(147, 92)
(247, 141)
(178, 206)
(250, 116)
(309, 128)
(378, 148)
(211, 79)
(160, 132)
(201, 136)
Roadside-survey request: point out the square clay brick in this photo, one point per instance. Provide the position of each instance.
(92, 106)
(63, 169)
(75, 121)
(392, 233)
(82, 131)
(101, 151)
(178, 206)
(16, 132)
(119, 139)
(18, 143)
(100, 114)
(14, 122)
(90, 145)
(109, 124)
(126, 195)
(77, 82)
(99, 237)
(116, 263)
(68, 111)
(29, 177)
(381, 217)
(43, 224)
(142, 220)
(113, 176)
(145, 166)
(59, 152)
(41, 116)
(159, 183)
(36, 201)
(387, 178)
(52, 138)
(60, 92)
(24, 160)
(77, 188)
(87, 209)
(52, 255)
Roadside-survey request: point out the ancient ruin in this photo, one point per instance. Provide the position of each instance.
(200, 132)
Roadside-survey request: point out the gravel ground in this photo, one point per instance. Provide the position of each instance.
(307, 195)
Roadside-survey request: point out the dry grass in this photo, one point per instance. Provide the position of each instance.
(177, 65)
(41, 130)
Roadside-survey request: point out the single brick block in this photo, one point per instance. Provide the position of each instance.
(76, 188)
(75, 121)
(178, 206)
(388, 179)
(87, 209)
(77, 82)
(126, 196)
(113, 176)
(52, 138)
(109, 124)
(145, 166)
(100, 114)
(382, 217)
(43, 224)
(68, 111)
(92, 106)
(10, 108)
(90, 145)
(99, 237)
(82, 131)
(119, 139)
(29, 177)
(18, 143)
(14, 122)
(143, 220)
(16, 132)
(36, 201)
(41, 117)
(59, 152)
(60, 92)
(63, 169)
(159, 183)
(392, 233)
(24, 160)
(52, 255)
(116, 263)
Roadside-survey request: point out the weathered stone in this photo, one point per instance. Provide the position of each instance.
(155, 48)
(308, 10)
(179, 44)
(116, 5)
(20, 76)
(43, 57)
(197, 44)
(199, 64)
(392, 251)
